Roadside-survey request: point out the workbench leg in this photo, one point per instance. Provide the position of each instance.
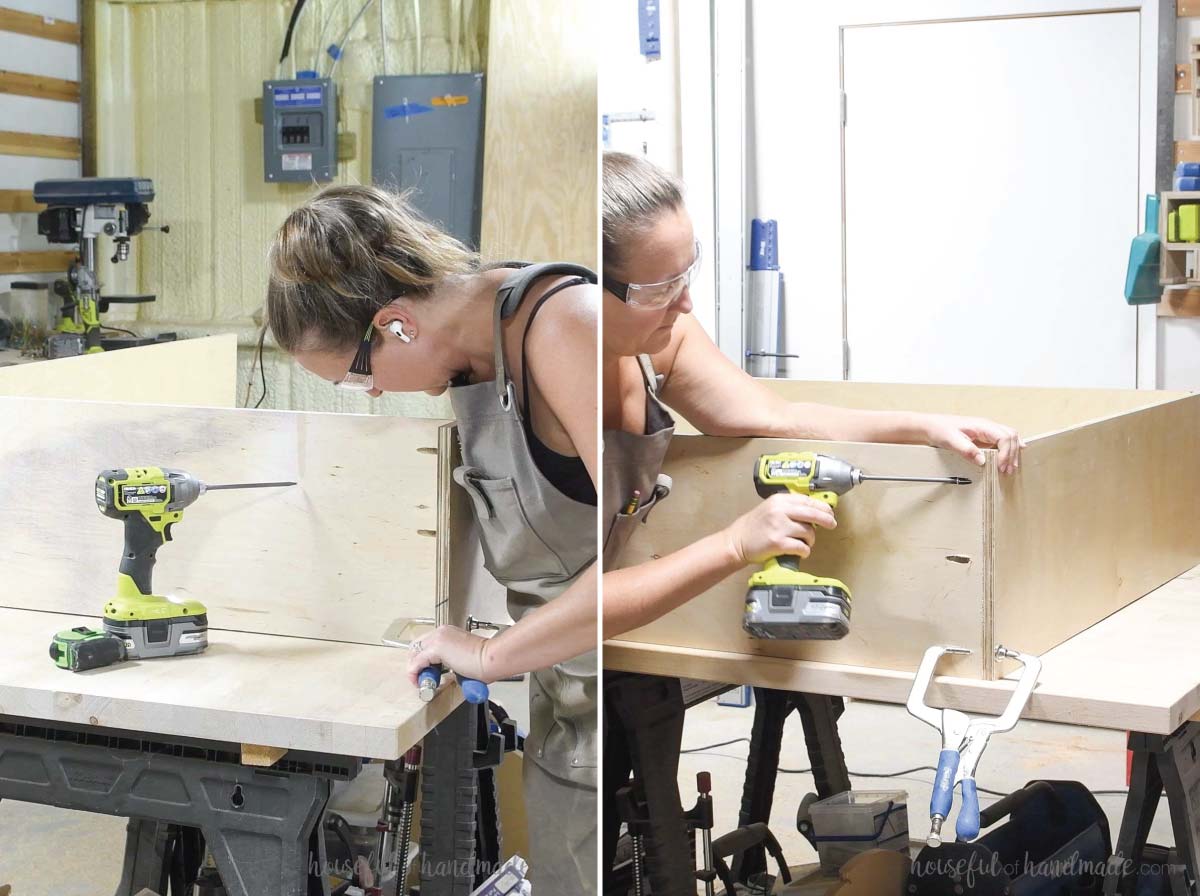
(1170, 763)
(145, 856)
(1179, 769)
(449, 805)
(819, 716)
(259, 824)
(649, 709)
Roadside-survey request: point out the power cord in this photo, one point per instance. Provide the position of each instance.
(854, 774)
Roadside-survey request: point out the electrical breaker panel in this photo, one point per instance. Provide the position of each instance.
(299, 130)
(427, 136)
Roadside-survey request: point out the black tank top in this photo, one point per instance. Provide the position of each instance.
(566, 473)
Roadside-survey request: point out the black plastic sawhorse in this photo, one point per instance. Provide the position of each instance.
(643, 718)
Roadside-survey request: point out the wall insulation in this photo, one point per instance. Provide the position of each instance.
(174, 90)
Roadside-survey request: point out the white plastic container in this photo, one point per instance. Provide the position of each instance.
(858, 820)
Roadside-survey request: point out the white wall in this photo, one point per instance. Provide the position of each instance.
(35, 56)
(793, 167)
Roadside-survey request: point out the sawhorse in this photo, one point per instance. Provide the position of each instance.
(643, 736)
(261, 824)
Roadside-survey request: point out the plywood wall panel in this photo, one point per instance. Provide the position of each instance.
(891, 548)
(540, 174)
(338, 557)
(1032, 411)
(196, 372)
(1097, 517)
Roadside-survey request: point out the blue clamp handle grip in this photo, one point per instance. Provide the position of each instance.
(474, 691)
(967, 826)
(943, 784)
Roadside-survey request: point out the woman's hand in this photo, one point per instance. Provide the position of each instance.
(782, 524)
(967, 435)
(458, 650)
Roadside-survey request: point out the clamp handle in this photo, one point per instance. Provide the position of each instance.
(967, 826)
(943, 785)
(429, 678)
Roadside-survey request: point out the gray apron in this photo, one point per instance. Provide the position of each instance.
(634, 461)
(536, 542)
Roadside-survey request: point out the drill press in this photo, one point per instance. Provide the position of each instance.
(80, 210)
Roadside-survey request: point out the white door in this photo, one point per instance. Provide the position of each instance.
(991, 190)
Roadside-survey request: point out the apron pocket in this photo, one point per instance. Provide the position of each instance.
(624, 524)
(512, 550)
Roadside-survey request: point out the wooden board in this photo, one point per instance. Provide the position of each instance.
(39, 86)
(19, 201)
(266, 690)
(1134, 671)
(1183, 79)
(15, 143)
(51, 262)
(1097, 516)
(539, 180)
(1032, 411)
(339, 556)
(197, 372)
(1180, 303)
(1187, 151)
(33, 25)
(891, 548)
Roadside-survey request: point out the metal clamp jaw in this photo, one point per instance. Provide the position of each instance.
(964, 738)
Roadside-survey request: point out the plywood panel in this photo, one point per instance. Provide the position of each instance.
(1096, 517)
(540, 175)
(339, 556)
(1083, 681)
(291, 693)
(891, 548)
(1032, 411)
(197, 372)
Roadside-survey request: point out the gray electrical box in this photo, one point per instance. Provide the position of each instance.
(299, 130)
(427, 136)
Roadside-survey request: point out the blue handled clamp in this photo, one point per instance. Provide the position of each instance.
(964, 739)
(429, 678)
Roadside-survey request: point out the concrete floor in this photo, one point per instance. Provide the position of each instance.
(50, 851)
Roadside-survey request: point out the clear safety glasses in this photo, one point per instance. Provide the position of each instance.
(359, 378)
(654, 295)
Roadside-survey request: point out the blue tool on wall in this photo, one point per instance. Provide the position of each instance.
(1145, 255)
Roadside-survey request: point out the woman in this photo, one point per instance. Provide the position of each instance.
(655, 355)
(366, 294)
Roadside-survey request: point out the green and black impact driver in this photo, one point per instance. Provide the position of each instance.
(782, 601)
(151, 500)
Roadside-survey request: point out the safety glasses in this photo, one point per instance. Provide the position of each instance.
(359, 378)
(654, 295)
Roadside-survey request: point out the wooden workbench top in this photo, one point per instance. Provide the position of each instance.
(1137, 670)
(268, 690)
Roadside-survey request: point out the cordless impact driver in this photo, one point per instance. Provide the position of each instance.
(782, 601)
(150, 501)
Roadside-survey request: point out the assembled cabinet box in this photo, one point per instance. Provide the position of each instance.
(1102, 511)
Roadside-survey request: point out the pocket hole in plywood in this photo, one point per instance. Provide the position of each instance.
(429, 533)
(426, 451)
(958, 558)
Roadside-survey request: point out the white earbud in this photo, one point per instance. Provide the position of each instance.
(398, 328)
